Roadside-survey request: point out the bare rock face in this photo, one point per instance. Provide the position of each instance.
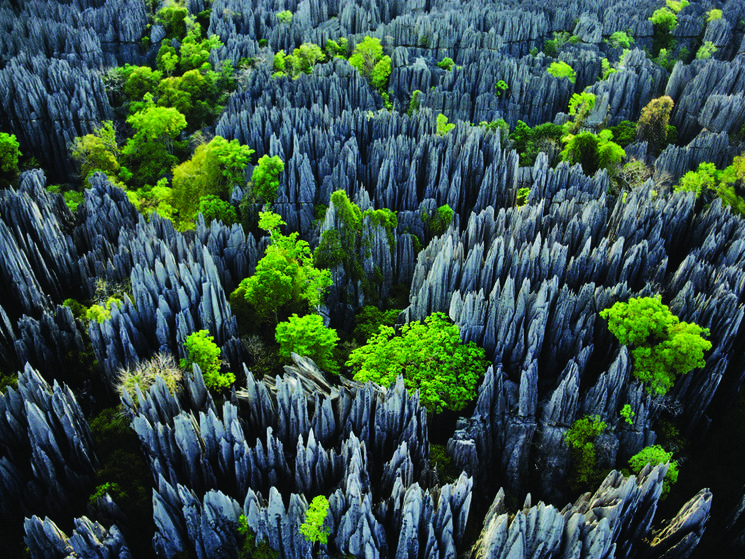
(614, 521)
(47, 451)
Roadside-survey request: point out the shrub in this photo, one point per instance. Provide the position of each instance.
(713, 15)
(581, 440)
(97, 151)
(592, 151)
(522, 196)
(314, 528)
(265, 178)
(369, 61)
(706, 50)
(662, 347)
(285, 16)
(308, 336)
(654, 455)
(439, 221)
(653, 123)
(624, 133)
(446, 63)
(619, 39)
(562, 70)
(202, 350)
(369, 319)
(627, 414)
(413, 102)
(248, 548)
(213, 208)
(9, 154)
(443, 127)
(501, 87)
(431, 358)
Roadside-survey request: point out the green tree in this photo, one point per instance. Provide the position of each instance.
(662, 347)
(212, 207)
(286, 280)
(654, 120)
(174, 16)
(265, 178)
(620, 39)
(654, 455)
(308, 336)
(213, 170)
(369, 319)
(249, 549)
(431, 358)
(592, 151)
(203, 351)
(446, 63)
(166, 59)
(562, 70)
(627, 414)
(580, 107)
(369, 61)
(97, 151)
(156, 124)
(285, 16)
(195, 51)
(443, 126)
(707, 181)
(9, 154)
(706, 50)
(141, 80)
(581, 440)
(314, 529)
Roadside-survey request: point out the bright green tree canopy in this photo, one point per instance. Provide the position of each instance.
(654, 455)
(202, 350)
(265, 178)
(308, 336)
(286, 279)
(430, 357)
(314, 529)
(661, 345)
(9, 153)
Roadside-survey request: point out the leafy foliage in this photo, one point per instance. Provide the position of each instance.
(431, 358)
(654, 455)
(265, 178)
(713, 15)
(726, 185)
(443, 127)
(661, 345)
(446, 63)
(580, 107)
(562, 70)
(620, 39)
(654, 121)
(212, 207)
(706, 50)
(501, 87)
(592, 151)
(249, 549)
(369, 61)
(581, 440)
(213, 170)
(203, 351)
(286, 279)
(522, 195)
(9, 154)
(627, 414)
(624, 132)
(439, 221)
(308, 336)
(369, 319)
(285, 16)
(314, 529)
(97, 151)
(528, 142)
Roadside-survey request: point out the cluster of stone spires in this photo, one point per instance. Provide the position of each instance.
(526, 283)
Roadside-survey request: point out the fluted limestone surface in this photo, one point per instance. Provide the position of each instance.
(616, 521)
(527, 284)
(89, 539)
(47, 452)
